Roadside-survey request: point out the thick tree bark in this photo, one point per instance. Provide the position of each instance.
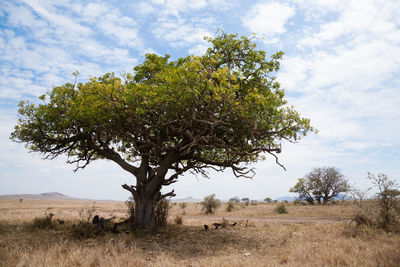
(145, 205)
(147, 191)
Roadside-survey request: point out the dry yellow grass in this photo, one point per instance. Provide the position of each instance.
(263, 242)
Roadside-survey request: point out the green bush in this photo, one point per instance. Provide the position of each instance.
(210, 204)
(281, 209)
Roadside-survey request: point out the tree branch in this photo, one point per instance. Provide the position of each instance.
(131, 189)
(170, 194)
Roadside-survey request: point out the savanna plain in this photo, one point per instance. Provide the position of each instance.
(308, 235)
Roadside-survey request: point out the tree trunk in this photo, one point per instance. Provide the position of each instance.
(145, 205)
(147, 191)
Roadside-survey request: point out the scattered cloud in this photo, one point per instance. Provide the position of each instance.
(340, 69)
(268, 19)
(180, 32)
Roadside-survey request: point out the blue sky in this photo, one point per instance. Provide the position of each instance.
(341, 69)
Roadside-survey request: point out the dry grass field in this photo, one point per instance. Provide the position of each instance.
(306, 236)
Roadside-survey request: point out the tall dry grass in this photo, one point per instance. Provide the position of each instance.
(261, 243)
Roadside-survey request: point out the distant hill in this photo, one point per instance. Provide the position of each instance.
(288, 198)
(51, 195)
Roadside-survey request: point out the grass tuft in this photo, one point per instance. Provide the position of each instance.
(178, 220)
(45, 222)
(85, 230)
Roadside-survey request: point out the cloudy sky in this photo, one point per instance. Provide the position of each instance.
(341, 69)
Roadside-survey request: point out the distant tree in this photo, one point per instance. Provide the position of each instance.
(321, 184)
(222, 110)
(246, 200)
(234, 199)
(388, 197)
(303, 188)
(210, 204)
(268, 199)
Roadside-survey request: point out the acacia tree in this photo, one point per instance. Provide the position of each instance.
(303, 188)
(321, 184)
(220, 110)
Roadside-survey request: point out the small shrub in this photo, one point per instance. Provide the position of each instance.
(161, 212)
(382, 212)
(281, 209)
(299, 202)
(210, 204)
(178, 220)
(246, 200)
(44, 222)
(182, 205)
(130, 204)
(230, 207)
(363, 219)
(87, 214)
(254, 202)
(85, 230)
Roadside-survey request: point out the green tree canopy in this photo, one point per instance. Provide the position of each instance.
(220, 110)
(321, 184)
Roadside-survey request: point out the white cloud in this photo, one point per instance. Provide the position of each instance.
(222, 4)
(358, 20)
(111, 22)
(341, 69)
(55, 42)
(198, 50)
(144, 8)
(181, 32)
(345, 76)
(268, 19)
(176, 7)
(62, 24)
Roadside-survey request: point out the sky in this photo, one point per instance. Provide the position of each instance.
(341, 69)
